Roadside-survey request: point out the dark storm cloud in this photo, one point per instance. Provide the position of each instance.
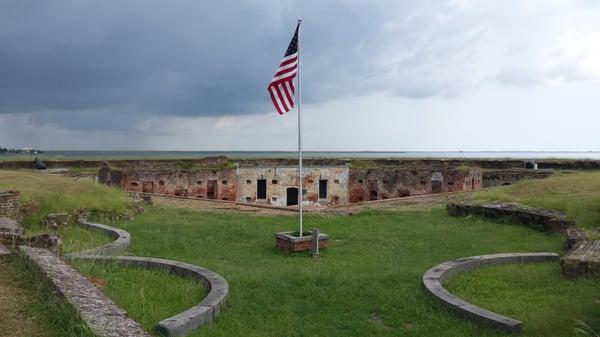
(108, 65)
(95, 64)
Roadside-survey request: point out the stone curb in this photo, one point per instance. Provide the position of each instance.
(435, 277)
(100, 314)
(541, 219)
(4, 250)
(202, 313)
(183, 323)
(121, 243)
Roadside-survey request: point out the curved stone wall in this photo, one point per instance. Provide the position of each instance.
(435, 277)
(183, 323)
(198, 315)
(121, 242)
(541, 219)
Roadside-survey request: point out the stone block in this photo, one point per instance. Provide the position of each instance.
(4, 250)
(543, 220)
(55, 221)
(582, 260)
(186, 321)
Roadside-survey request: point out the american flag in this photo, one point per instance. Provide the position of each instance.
(281, 88)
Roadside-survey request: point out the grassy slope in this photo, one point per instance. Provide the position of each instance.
(367, 283)
(576, 194)
(56, 194)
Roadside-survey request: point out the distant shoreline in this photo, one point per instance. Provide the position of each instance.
(122, 155)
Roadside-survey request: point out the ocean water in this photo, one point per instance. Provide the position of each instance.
(307, 154)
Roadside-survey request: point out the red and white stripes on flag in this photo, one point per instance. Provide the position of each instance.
(281, 88)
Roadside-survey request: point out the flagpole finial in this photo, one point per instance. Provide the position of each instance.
(299, 20)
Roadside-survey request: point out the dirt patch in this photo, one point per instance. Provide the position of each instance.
(203, 205)
(377, 320)
(99, 282)
(14, 299)
(415, 203)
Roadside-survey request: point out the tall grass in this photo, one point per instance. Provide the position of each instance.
(53, 316)
(155, 293)
(577, 194)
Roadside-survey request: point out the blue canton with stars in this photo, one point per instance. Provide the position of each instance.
(293, 47)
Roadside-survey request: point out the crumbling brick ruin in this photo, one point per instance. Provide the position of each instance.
(276, 183)
(9, 205)
(385, 183)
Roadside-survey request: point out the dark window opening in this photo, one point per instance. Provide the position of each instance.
(134, 184)
(337, 181)
(373, 189)
(385, 182)
(436, 186)
(148, 186)
(261, 189)
(274, 181)
(161, 183)
(248, 199)
(248, 181)
(225, 198)
(450, 183)
(292, 196)
(310, 181)
(199, 196)
(274, 198)
(322, 188)
(373, 195)
(211, 189)
(199, 182)
(224, 182)
(423, 182)
(403, 192)
(360, 181)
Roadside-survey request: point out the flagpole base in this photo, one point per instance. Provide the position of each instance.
(292, 242)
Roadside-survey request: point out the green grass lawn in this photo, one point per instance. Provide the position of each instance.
(577, 194)
(368, 283)
(539, 292)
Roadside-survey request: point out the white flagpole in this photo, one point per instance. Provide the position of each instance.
(300, 194)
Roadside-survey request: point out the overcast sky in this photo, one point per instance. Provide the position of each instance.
(376, 75)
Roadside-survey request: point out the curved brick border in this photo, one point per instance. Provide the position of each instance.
(205, 311)
(183, 323)
(435, 277)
